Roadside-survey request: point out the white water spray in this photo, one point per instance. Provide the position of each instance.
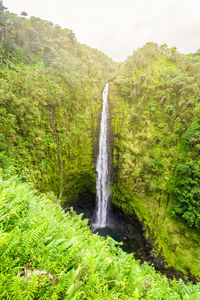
(102, 167)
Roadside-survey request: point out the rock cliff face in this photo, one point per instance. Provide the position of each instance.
(50, 114)
(154, 108)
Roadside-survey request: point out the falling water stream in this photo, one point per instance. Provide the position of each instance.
(102, 166)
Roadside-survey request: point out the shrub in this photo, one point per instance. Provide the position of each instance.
(185, 188)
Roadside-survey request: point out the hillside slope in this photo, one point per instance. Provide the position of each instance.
(155, 118)
(37, 234)
(50, 87)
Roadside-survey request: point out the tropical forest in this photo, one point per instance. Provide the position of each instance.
(99, 168)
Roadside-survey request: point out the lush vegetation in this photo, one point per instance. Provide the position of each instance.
(49, 89)
(186, 190)
(155, 116)
(37, 235)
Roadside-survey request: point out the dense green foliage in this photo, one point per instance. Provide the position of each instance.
(50, 87)
(155, 117)
(49, 90)
(186, 189)
(84, 266)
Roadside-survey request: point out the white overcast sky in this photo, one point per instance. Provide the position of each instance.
(117, 27)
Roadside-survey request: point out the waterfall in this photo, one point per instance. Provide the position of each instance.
(102, 167)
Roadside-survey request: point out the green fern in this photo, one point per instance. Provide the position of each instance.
(83, 265)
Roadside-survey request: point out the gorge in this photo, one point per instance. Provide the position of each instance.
(127, 162)
(110, 221)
